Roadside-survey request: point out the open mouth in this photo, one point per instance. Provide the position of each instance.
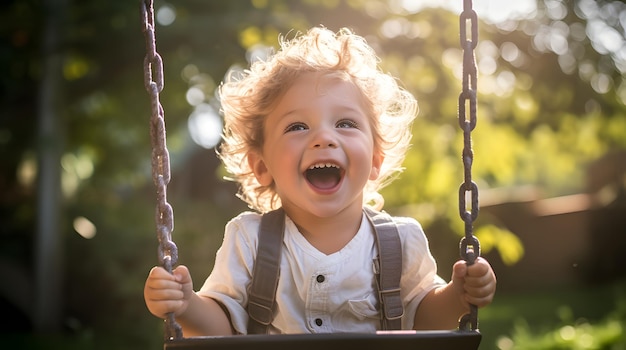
(324, 176)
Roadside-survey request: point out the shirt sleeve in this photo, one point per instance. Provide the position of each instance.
(232, 272)
(419, 269)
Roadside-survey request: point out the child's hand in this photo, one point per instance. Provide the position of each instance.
(475, 284)
(165, 292)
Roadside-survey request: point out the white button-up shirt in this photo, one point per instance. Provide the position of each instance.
(319, 293)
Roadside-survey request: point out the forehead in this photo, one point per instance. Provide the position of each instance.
(310, 89)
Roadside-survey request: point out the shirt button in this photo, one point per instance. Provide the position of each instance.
(320, 278)
(318, 321)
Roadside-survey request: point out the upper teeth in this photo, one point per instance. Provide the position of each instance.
(323, 165)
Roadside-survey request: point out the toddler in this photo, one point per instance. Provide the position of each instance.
(317, 130)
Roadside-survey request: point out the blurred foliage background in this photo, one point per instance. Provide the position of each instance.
(77, 200)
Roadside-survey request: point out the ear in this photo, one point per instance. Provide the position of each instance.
(257, 164)
(377, 162)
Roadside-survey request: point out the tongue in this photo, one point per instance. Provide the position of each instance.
(325, 178)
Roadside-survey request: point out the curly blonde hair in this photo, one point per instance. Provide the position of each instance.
(246, 100)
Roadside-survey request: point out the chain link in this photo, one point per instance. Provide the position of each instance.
(469, 246)
(164, 216)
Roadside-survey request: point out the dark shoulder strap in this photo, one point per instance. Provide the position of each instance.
(266, 271)
(389, 268)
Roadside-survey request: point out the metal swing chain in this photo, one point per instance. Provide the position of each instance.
(164, 216)
(469, 246)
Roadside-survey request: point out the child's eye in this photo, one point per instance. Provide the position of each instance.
(347, 123)
(295, 127)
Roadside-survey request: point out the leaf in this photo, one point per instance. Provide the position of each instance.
(509, 246)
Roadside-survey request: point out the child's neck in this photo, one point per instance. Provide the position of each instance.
(329, 234)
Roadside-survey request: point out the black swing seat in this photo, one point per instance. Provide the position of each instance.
(454, 339)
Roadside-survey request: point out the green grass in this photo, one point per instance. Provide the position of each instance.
(546, 319)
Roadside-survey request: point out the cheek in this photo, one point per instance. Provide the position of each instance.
(362, 155)
(284, 156)
(370, 159)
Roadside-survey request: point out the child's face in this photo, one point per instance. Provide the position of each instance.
(319, 148)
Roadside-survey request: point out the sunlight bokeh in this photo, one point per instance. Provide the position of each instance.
(492, 11)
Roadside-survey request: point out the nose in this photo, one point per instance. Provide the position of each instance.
(324, 138)
(325, 144)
